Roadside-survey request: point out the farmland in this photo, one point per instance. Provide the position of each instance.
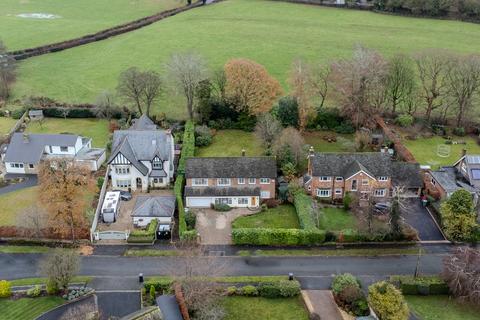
(271, 33)
(71, 18)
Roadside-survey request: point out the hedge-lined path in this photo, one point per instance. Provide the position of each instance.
(103, 34)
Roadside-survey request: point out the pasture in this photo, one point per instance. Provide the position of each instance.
(69, 18)
(271, 33)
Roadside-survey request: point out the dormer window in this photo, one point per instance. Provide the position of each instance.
(157, 165)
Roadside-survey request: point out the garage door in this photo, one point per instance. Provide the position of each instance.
(199, 202)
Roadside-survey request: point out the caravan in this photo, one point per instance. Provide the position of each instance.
(110, 206)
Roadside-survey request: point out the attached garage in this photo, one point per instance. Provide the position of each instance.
(236, 197)
(199, 202)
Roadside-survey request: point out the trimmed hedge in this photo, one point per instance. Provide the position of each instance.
(424, 285)
(188, 146)
(277, 237)
(142, 236)
(303, 207)
(159, 285)
(274, 289)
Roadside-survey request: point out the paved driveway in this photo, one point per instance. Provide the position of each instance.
(29, 180)
(418, 217)
(215, 227)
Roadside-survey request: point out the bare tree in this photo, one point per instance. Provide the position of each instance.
(463, 81)
(7, 72)
(267, 129)
(219, 83)
(432, 70)
(360, 85)
(153, 87)
(187, 71)
(105, 105)
(60, 266)
(289, 147)
(319, 81)
(299, 79)
(400, 81)
(33, 220)
(461, 272)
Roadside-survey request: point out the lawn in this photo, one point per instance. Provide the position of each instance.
(255, 308)
(425, 150)
(42, 281)
(14, 202)
(281, 217)
(97, 129)
(441, 308)
(76, 18)
(27, 308)
(335, 219)
(344, 143)
(271, 33)
(24, 249)
(230, 143)
(6, 124)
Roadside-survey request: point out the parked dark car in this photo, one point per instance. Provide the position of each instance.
(125, 195)
(382, 208)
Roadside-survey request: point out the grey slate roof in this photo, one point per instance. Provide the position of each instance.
(143, 123)
(141, 145)
(407, 174)
(450, 181)
(345, 164)
(231, 167)
(30, 148)
(156, 206)
(222, 191)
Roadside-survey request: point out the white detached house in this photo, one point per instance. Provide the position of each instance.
(142, 157)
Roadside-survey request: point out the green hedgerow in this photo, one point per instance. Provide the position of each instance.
(5, 289)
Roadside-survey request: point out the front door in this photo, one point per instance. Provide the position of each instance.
(139, 183)
(254, 201)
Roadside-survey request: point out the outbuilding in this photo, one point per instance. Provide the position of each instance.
(148, 208)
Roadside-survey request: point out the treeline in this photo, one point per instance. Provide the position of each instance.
(459, 9)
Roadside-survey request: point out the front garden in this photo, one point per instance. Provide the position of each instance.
(28, 308)
(257, 308)
(336, 219)
(281, 217)
(441, 307)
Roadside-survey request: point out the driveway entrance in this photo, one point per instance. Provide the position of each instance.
(215, 227)
(418, 217)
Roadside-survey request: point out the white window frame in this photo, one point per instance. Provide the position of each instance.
(338, 191)
(264, 180)
(241, 180)
(228, 201)
(380, 193)
(252, 180)
(365, 182)
(338, 178)
(122, 170)
(324, 193)
(242, 200)
(202, 183)
(223, 182)
(325, 178)
(124, 183)
(382, 178)
(16, 165)
(263, 194)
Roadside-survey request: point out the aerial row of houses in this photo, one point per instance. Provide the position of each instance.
(144, 157)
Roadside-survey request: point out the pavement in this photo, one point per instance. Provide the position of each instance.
(418, 217)
(30, 180)
(321, 305)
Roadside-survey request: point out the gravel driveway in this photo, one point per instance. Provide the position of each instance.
(215, 227)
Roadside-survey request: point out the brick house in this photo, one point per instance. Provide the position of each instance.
(331, 175)
(236, 181)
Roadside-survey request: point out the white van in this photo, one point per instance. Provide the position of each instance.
(110, 206)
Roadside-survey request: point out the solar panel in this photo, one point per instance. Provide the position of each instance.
(473, 159)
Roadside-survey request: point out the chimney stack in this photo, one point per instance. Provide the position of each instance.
(243, 152)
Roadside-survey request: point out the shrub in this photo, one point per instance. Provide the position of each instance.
(231, 291)
(287, 112)
(161, 286)
(303, 207)
(387, 301)
(277, 237)
(347, 201)
(144, 236)
(5, 289)
(34, 292)
(51, 287)
(352, 299)
(152, 293)
(203, 136)
(249, 291)
(17, 113)
(459, 131)
(100, 181)
(280, 289)
(425, 285)
(327, 119)
(404, 120)
(191, 220)
(345, 128)
(263, 207)
(221, 207)
(342, 281)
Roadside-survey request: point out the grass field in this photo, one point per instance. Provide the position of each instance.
(281, 217)
(441, 308)
(6, 124)
(27, 308)
(77, 18)
(334, 219)
(255, 308)
(14, 202)
(97, 129)
(271, 33)
(229, 143)
(425, 150)
(344, 143)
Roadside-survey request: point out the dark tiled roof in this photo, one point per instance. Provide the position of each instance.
(156, 206)
(231, 167)
(156, 173)
(143, 123)
(345, 164)
(407, 175)
(221, 191)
